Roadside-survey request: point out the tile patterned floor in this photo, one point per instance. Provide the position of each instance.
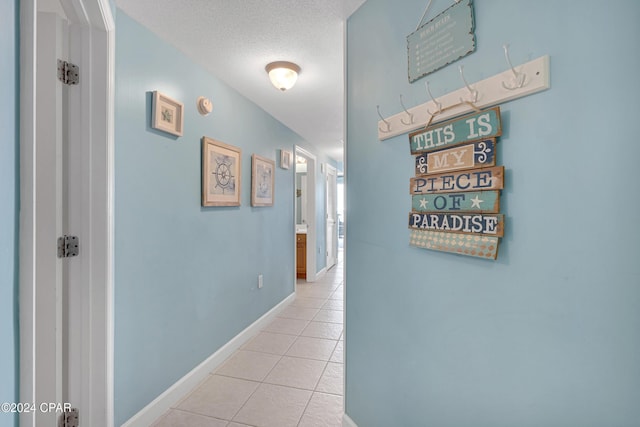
(289, 375)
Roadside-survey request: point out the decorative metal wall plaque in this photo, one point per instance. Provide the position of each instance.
(441, 41)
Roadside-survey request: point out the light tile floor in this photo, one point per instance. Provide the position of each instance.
(289, 375)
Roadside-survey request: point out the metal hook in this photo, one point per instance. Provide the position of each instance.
(385, 122)
(518, 78)
(435, 101)
(408, 113)
(472, 91)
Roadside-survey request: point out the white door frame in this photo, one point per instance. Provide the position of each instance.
(311, 213)
(92, 23)
(331, 192)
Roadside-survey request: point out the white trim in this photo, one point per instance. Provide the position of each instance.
(27, 204)
(320, 274)
(348, 422)
(294, 258)
(186, 384)
(328, 191)
(98, 58)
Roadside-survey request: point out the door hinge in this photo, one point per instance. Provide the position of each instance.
(70, 418)
(68, 73)
(68, 246)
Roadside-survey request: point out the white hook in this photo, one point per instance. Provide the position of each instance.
(472, 91)
(435, 101)
(518, 78)
(408, 113)
(385, 122)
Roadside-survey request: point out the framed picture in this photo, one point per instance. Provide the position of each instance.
(262, 181)
(167, 114)
(285, 159)
(221, 173)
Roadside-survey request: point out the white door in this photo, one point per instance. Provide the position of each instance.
(332, 231)
(66, 170)
(57, 307)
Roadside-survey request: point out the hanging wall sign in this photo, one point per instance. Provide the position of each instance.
(455, 193)
(441, 41)
(472, 127)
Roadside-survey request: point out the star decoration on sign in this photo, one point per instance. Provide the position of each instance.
(475, 202)
(423, 203)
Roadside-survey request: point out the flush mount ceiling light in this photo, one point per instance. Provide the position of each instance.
(283, 74)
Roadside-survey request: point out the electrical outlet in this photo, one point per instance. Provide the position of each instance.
(259, 281)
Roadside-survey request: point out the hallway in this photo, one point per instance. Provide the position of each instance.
(290, 374)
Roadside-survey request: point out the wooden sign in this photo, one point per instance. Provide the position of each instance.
(464, 244)
(475, 155)
(471, 180)
(474, 201)
(492, 225)
(473, 127)
(441, 41)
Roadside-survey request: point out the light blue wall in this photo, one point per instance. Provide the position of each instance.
(186, 276)
(547, 335)
(9, 207)
(113, 7)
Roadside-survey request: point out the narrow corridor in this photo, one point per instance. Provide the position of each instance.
(290, 374)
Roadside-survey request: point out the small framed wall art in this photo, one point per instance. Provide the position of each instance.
(262, 181)
(221, 173)
(167, 114)
(285, 159)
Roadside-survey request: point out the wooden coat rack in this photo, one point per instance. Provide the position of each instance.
(523, 80)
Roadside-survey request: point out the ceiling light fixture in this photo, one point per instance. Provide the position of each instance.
(283, 74)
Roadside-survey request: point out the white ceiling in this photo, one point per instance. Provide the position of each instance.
(236, 39)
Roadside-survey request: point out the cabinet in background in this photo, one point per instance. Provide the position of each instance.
(301, 256)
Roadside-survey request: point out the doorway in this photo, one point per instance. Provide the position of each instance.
(305, 214)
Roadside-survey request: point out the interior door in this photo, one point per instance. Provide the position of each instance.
(58, 350)
(332, 212)
(66, 187)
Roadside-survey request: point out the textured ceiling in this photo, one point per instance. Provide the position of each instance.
(235, 39)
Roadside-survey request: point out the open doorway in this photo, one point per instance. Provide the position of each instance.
(305, 214)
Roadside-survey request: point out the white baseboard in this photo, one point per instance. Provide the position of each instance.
(348, 422)
(184, 385)
(321, 273)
